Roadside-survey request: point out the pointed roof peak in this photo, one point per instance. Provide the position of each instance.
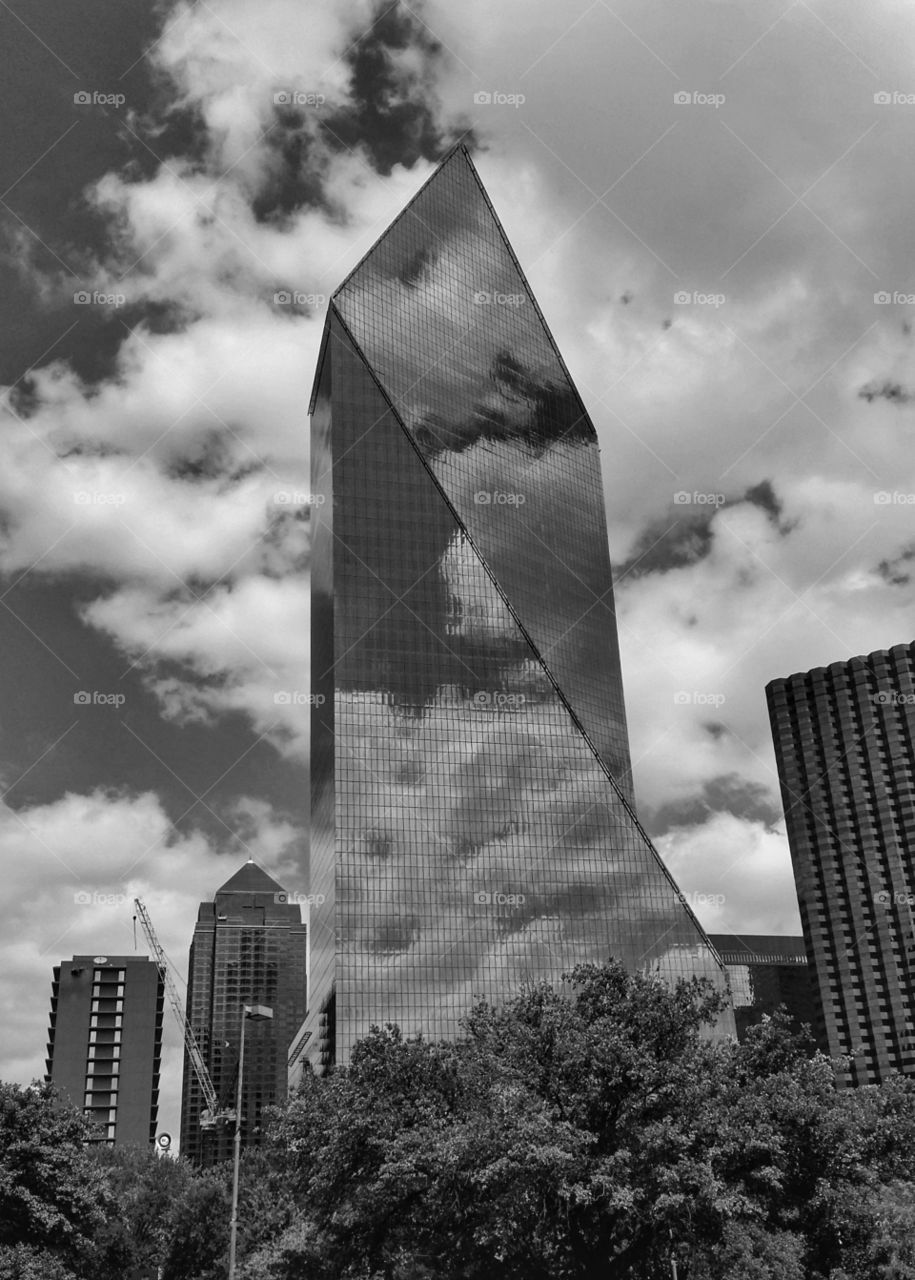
(250, 878)
(459, 148)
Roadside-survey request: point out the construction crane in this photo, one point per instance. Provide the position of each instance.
(213, 1113)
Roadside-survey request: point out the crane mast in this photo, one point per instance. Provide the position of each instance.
(213, 1111)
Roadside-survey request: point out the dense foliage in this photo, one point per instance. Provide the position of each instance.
(53, 1202)
(600, 1135)
(596, 1132)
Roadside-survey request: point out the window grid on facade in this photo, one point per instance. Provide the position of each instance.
(472, 821)
(845, 746)
(249, 947)
(104, 1044)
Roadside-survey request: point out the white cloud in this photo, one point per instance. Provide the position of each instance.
(168, 477)
(242, 649)
(735, 874)
(708, 404)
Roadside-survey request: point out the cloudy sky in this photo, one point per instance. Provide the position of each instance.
(711, 203)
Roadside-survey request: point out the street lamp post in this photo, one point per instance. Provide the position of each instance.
(257, 1013)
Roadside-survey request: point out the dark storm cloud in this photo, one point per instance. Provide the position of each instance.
(391, 115)
(894, 571)
(46, 224)
(889, 390)
(297, 182)
(685, 536)
(764, 496)
(207, 457)
(670, 543)
(728, 793)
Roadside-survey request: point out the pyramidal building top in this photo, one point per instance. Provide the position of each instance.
(455, 196)
(250, 878)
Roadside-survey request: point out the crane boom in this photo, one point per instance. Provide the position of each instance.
(213, 1110)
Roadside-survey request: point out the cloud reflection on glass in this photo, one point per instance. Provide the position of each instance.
(471, 792)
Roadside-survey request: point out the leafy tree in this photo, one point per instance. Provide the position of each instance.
(53, 1198)
(593, 1133)
(748, 1251)
(517, 1151)
(28, 1262)
(199, 1225)
(147, 1190)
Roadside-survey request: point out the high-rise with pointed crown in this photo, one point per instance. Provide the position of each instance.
(471, 800)
(249, 948)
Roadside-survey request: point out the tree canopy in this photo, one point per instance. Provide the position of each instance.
(53, 1204)
(597, 1133)
(590, 1131)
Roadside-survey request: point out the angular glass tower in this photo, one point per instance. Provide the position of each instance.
(472, 820)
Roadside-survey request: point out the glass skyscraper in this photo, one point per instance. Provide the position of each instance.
(845, 747)
(249, 948)
(472, 808)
